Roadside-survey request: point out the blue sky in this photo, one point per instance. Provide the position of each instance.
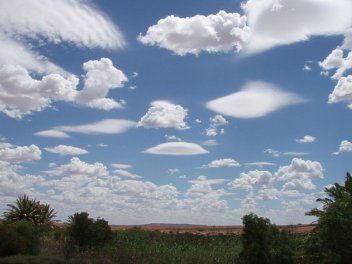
(182, 112)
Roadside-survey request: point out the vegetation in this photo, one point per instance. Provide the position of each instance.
(86, 240)
(333, 243)
(264, 243)
(88, 233)
(29, 210)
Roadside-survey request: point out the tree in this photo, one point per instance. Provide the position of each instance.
(264, 243)
(334, 226)
(29, 210)
(88, 233)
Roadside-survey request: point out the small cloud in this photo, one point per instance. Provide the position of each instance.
(64, 150)
(214, 126)
(172, 138)
(260, 164)
(198, 121)
(222, 163)
(182, 177)
(306, 139)
(324, 73)
(127, 174)
(345, 146)
(164, 114)
(176, 148)
(132, 87)
(134, 74)
(276, 153)
(307, 68)
(120, 166)
(102, 145)
(52, 133)
(203, 180)
(173, 171)
(210, 142)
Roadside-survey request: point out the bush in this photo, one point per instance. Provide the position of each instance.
(19, 238)
(88, 233)
(264, 243)
(335, 223)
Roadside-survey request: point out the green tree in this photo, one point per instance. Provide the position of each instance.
(29, 210)
(264, 243)
(88, 233)
(334, 226)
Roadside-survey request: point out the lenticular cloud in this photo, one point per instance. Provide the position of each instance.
(256, 99)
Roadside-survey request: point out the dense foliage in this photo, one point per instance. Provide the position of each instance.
(29, 210)
(21, 237)
(88, 233)
(333, 241)
(264, 243)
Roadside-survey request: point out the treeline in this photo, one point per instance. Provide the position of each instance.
(27, 236)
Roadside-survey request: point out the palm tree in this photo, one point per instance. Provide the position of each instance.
(29, 210)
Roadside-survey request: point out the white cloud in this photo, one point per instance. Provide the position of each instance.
(294, 21)
(20, 154)
(222, 32)
(106, 126)
(173, 171)
(172, 138)
(222, 163)
(203, 180)
(256, 99)
(52, 133)
(253, 180)
(306, 139)
(64, 150)
(276, 153)
(307, 68)
(76, 167)
(75, 22)
(120, 166)
(102, 145)
(163, 114)
(176, 148)
(342, 90)
(127, 174)
(345, 146)
(210, 142)
(299, 174)
(260, 164)
(100, 77)
(214, 126)
(21, 95)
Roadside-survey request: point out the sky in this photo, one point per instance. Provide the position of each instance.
(184, 111)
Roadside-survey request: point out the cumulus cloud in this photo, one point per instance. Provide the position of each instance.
(76, 167)
(164, 114)
(256, 99)
(176, 148)
(100, 77)
(105, 126)
(253, 180)
(306, 139)
(342, 64)
(345, 146)
(21, 94)
(64, 150)
(293, 21)
(221, 32)
(299, 174)
(75, 22)
(222, 163)
(214, 126)
(172, 138)
(20, 154)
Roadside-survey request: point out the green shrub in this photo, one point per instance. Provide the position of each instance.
(21, 237)
(264, 243)
(88, 233)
